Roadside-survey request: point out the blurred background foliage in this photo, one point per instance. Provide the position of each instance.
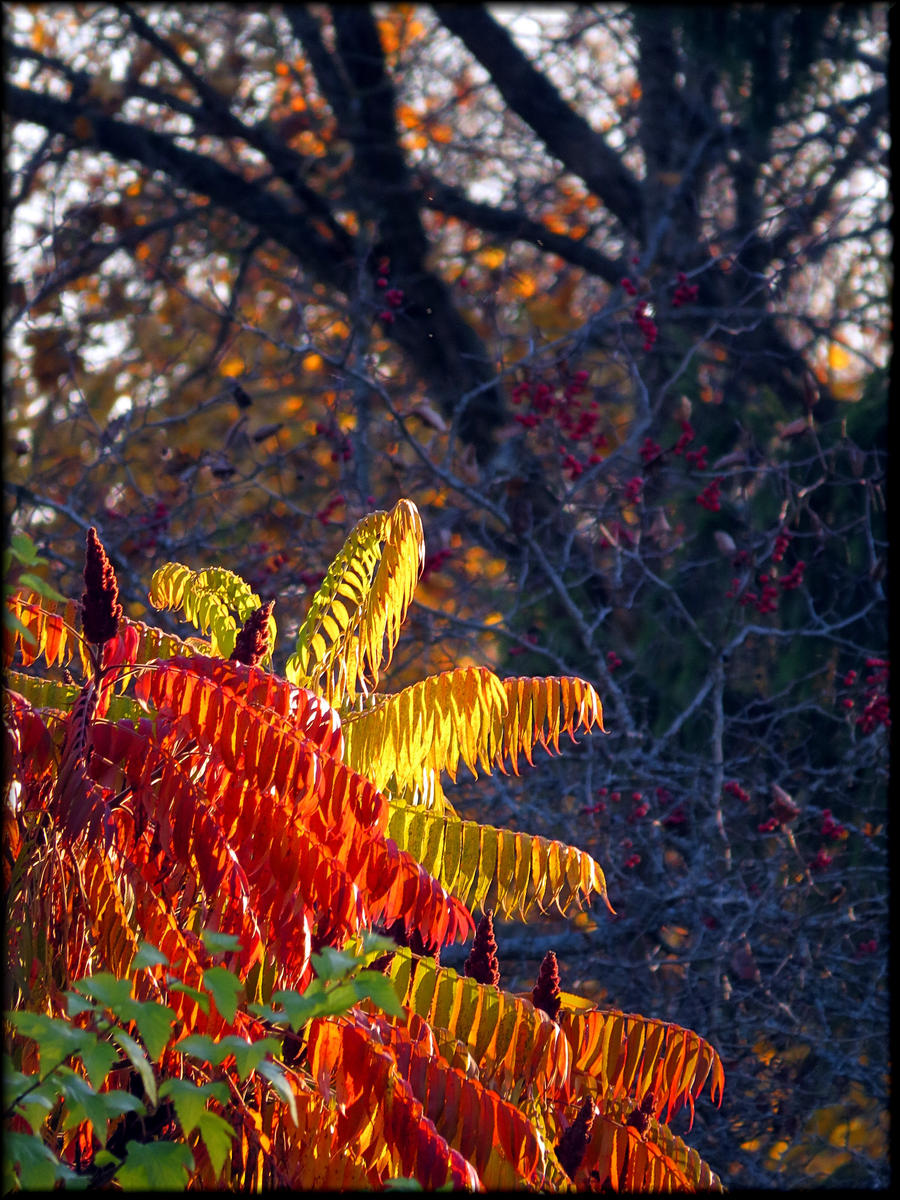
(605, 290)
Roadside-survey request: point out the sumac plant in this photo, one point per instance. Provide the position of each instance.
(257, 830)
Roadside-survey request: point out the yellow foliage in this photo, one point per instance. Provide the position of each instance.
(408, 117)
(838, 358)
(492, 257)
(525, 285)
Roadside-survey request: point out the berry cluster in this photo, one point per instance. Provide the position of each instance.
(530, 636)
(710, 497)
(733, 788)
(693, 458)
(864, 948)
(685, 293)
(621, 536)
(575, 420)
(343, 447)
(393, 295)
(434, 562)
(782, 541)
(600, 806)
(645, 324)
(640, 810)
(676, 817)
(876, 701)
(794, 577)
(766, 600)
(878, 708)
(324, 514)
(271, 564)
(633, 489)
(831, 828)
(153, 526)
(612, 660)
(821, 862)
(687, 436)
(650, 450)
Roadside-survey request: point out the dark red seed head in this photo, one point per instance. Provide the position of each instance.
(100, 607)
(545, 993)
(482, 963)
(252, 642)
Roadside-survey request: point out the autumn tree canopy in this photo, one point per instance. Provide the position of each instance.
(605, 290)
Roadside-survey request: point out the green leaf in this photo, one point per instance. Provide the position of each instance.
(298, 1009)
(23, 548)
(76, 1004)
(56, 1039)
(138, 1059)
(319, 1002)
(375, 944)
(190, 1099)
(266, 1013)
(148, 956)
(219, 943)
(279, 1081)
(333, 964)
(338, 999)
(11, 621)
(97, 1107)
(14, 1082)
(98, 1060)
(378, 988)
(155, 1167)
(248, 1055)
(41, 586)
(103, 1158)
(118, 1102)
(34, 1105)
(199, 1046)
(37, 1104)
(37, 1167)
(224, 986)
(103, 987)
(175, 985)
(154, 1021)
(83, 1103)
(217, 1136)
